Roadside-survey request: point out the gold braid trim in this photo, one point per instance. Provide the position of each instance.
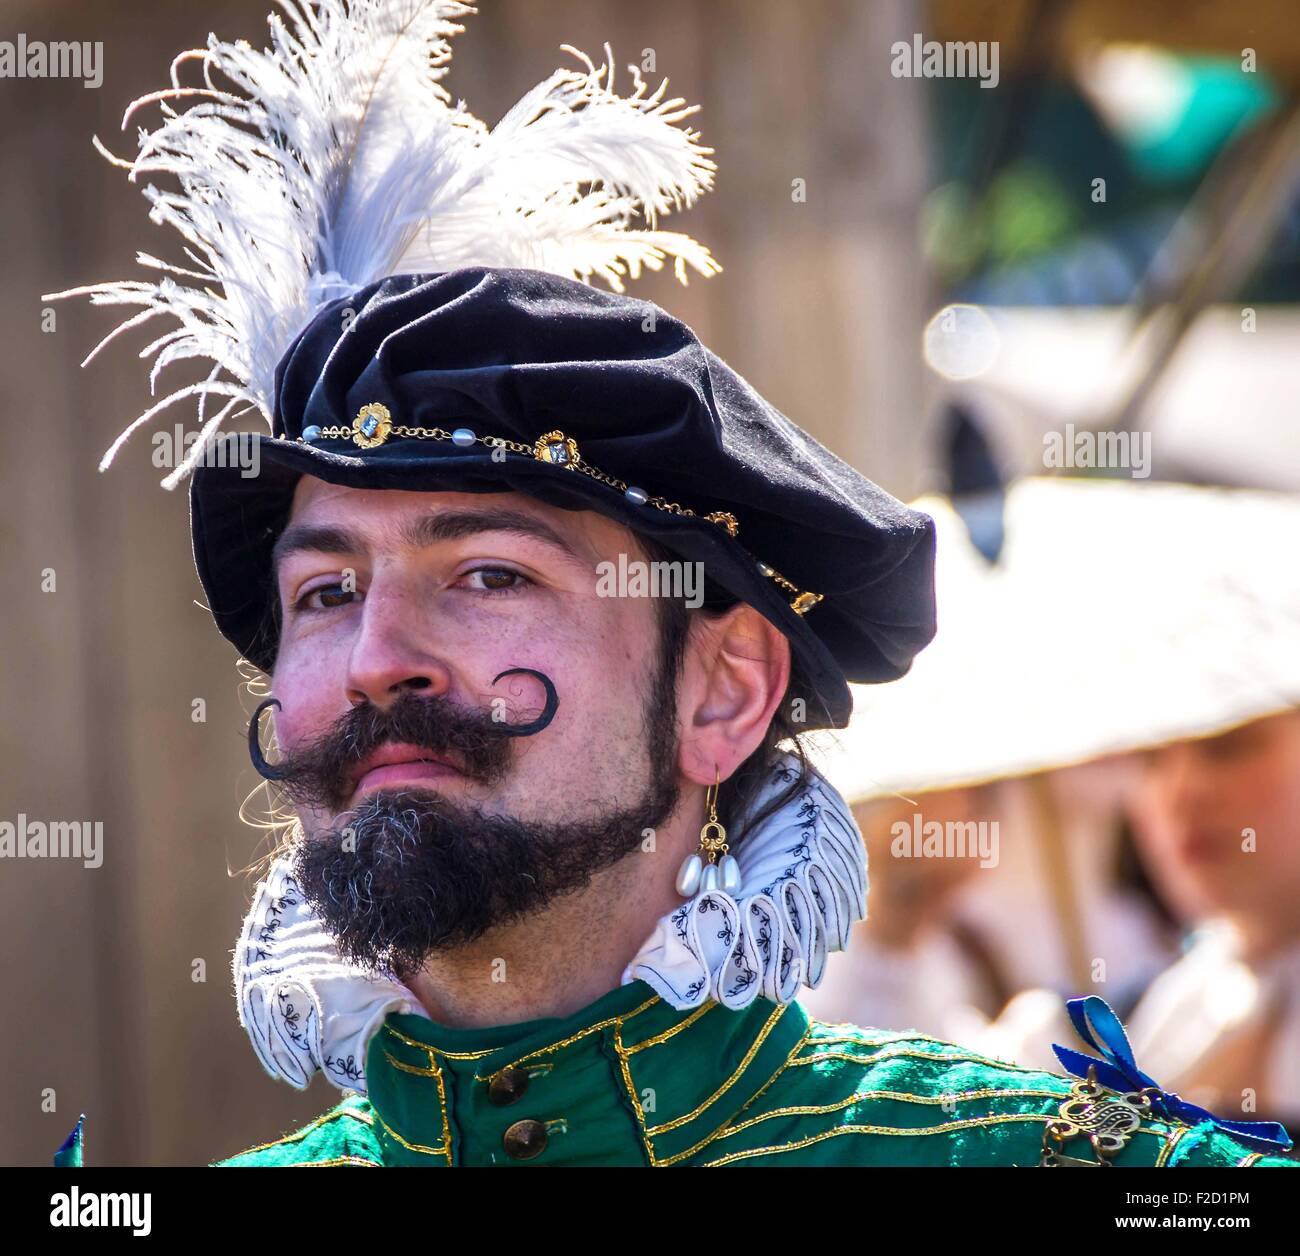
(622, 1052)
(338, 1161)
(444, 1151)
(572, 1038)
(447, 1055)
(945, 1128)
(722, 1129)
(307, 1129)
(913, 1055)
(409, 1068)
(1171, 1142)
(744, 1064)
(901, 1096)
(669, 1033)
(862, 1041)
(436, 1073)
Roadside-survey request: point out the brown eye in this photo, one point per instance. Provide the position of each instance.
(495, 579)
(325, 597)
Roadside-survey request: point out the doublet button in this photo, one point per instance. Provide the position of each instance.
(524, 1140)
(507, 1086)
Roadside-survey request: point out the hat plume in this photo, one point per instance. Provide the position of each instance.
(335, 157)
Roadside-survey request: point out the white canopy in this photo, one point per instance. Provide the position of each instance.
(1121, 615)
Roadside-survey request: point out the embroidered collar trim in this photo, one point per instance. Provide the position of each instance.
(803, 885)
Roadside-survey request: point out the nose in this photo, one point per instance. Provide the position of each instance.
(390, 655)
(1181, 779)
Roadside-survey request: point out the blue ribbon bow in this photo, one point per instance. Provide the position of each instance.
(1096, 1023)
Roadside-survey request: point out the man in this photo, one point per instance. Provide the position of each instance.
(507, 882)
(553, 885)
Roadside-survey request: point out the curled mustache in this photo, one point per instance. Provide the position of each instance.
(319, 773)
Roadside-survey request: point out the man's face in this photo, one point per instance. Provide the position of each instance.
(424, 598)
(1217, 819)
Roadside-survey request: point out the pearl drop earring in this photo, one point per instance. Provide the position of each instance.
(702, 871)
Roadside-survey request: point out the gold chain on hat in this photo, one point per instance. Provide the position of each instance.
(374, 425)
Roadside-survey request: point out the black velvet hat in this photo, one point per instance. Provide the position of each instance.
(402, 293)
(591, 401)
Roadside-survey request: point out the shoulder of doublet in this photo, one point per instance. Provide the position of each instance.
(907, 1098)
(343, 1137)
(892, 1073)
(928, 1066)
(913, 1099)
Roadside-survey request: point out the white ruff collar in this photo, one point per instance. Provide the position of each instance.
(803, 885)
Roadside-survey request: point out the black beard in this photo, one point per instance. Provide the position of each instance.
(409, 872)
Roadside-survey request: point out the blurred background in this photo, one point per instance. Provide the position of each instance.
(1051, 284)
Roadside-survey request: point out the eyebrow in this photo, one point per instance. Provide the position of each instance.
(420, 533)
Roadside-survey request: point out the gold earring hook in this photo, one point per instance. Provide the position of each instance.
(711, 797)
(713, 837)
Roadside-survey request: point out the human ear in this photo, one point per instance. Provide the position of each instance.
(735, 674)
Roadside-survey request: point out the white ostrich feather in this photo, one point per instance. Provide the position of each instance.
(335, 157)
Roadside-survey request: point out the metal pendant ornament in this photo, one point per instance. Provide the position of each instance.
(1106, 1119)
(711, 867)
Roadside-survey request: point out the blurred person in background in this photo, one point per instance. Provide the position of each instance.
(950, 941)
(1218, 826)
(914, 963)
(1216, 822)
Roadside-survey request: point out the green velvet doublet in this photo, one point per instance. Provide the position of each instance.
(631, 1081)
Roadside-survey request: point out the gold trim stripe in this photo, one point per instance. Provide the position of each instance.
(1162, 1160)
(449, 1055)
(418, 1147)
(479, 1055)
(307, 1129)
(358, 1161)
(945, 1128)
(919, 1055)
(442, 1106)
(572, 1038)
(621, 1051)
(409, 1068)
(840, 1104)
(434, 1072)
(669, 1033)
(721, 1130)
(877, 1042)
(754, 1047)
